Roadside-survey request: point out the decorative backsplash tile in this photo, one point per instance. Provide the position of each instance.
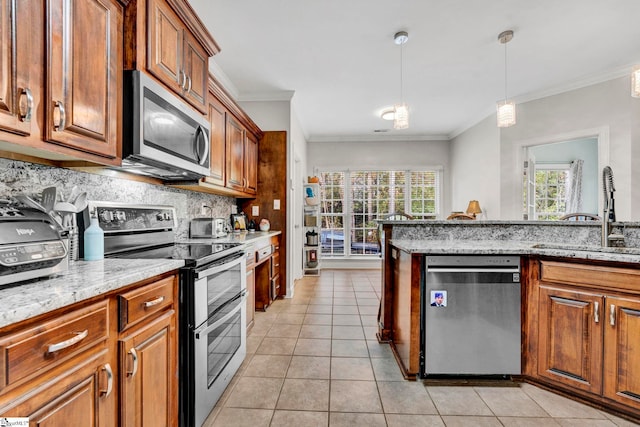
(21, 177)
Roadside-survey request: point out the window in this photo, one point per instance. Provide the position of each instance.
(551, 190)
(352, 201)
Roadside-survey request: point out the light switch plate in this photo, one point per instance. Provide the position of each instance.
(276, 204)
(234, 209)
(255, 210)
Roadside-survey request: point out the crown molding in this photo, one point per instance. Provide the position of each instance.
(376, 138)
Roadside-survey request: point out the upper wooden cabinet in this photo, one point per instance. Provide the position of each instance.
(167, 39)
(235, 154)
(251, 164)
(217, 138)
(16, 84)
(83, 74)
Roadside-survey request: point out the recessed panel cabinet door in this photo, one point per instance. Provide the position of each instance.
(622, 350)
(570, 338)
(84, 67)
(251, 164)
(218, 150)
(164, 45)
(235, 154)
(196, 65)
(16, 86)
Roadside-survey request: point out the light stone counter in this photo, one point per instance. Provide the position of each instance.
(503, 247)
(82, 281)
(241, 237)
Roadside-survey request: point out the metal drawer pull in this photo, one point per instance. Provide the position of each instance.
(68, 343)
(189, 85)
(26, 117)
(596, 312)
(62, 119)
(107, 369)
(612, 315)
(155, 301)
(134, 357)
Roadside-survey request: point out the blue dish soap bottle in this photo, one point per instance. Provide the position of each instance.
(93, 240)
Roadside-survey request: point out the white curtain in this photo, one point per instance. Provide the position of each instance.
(574, 187)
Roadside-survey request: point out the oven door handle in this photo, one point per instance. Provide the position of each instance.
(205, 329)
(229, 262)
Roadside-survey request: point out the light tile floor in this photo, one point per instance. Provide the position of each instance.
(313, 360)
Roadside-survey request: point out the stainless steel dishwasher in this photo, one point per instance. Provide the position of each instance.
(471, 315)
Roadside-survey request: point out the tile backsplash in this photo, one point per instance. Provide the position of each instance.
(21, 177)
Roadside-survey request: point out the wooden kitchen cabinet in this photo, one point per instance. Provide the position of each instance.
(235, 154)
(175, 56)
(84, 75)
(582, 329)
(106, 362)
(58, 371)
(251, 164)
(148, 366)
(251, 287)
(17, 82)
(217, 138)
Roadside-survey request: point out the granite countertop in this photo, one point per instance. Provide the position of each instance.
(241, 237)
(82, 281)
(495, 247)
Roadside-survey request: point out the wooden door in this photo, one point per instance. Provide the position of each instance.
(148, 366)
(84, 68)
(196, 67)
(17, 86)
(570, 337)
(251, 164)
(235, 154)
(81, 396)
(217, 120)
(164, 45)
(622, 350)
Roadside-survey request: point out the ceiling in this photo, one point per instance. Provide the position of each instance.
(338, 60)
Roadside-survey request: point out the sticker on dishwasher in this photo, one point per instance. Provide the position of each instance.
(438, 298)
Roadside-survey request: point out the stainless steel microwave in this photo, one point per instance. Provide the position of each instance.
(163, 137)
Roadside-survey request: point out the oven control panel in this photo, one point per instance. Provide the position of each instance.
(120, 218)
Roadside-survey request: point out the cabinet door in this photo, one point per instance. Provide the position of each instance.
(84, 67)
(251, 164)
(165, 44)
(196, 67)
(218, 150)
(235, 154)
(82, 396)
(570, 337)
(16, 83)
(148, 374)
(621, 350)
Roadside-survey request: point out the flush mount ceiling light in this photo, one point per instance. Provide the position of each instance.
(506, 109)
(635, 82)
(388, 114)
(401, 111)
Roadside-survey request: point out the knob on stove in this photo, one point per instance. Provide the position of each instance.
(106, 216)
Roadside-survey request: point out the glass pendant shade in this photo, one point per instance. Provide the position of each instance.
(506, 114)
(635, 82)
(401, 116)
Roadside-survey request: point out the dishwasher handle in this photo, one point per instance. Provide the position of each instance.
(472, 270)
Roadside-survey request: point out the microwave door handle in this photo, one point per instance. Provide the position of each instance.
(205, 138)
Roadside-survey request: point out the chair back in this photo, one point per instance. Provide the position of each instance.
(579, 216)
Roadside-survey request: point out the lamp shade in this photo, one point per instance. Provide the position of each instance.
(474, 208)
(506, 114)
(401, 116)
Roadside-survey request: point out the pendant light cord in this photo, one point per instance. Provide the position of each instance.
(505, 72)
(401, 75)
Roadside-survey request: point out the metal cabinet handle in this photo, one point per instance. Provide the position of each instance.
(612, 315)
(155, 301)
(189, 85)
(61, 122)
(68, 343)
(26, 117)
(134, 357)
(109, 372)
(181, 79)
(596, 312)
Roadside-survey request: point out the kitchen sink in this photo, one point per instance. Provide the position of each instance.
(587, 248)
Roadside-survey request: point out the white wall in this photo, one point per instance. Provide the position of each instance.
(475, 174)
(384, 155)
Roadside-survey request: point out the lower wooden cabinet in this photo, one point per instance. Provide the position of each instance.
(148, 365)
(83, 366)
(586, 338)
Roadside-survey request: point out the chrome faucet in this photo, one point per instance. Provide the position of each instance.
(609, 214)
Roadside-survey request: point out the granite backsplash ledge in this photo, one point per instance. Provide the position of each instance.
(572, 233)
(22, 177)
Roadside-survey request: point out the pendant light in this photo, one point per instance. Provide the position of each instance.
(401, 111)
(506, 109)
(635, 82)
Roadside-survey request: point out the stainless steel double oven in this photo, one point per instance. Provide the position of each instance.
(212, 312)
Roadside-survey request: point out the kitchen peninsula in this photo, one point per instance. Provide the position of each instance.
(580, 309)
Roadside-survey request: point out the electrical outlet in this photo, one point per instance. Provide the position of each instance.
(276, 204)
(255, 210)
(234, 209)
(204, 209)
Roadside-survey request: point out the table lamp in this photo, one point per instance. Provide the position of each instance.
(474, 208)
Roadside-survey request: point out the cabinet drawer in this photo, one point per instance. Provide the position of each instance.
(251, 257)
(263, 253)
(590, 276)
(275, 264)
(45, 345)
(138, 304)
